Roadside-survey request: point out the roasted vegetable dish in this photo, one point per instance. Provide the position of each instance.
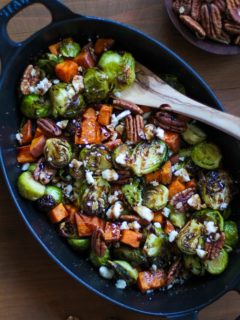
(142, 193)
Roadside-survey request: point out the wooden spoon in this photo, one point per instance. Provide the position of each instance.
(149, 90)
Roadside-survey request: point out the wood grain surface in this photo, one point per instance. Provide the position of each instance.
(32, 286)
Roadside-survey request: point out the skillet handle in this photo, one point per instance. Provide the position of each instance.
(187, 316)
(8, 47)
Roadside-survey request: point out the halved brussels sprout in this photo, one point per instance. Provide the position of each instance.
(55, 193)
(193, 134)
(29, 188)
(35, 106)
(79, 245)
(65, 101)
(68, 230)
(217, 265)
(184, 153)
(178, 219)
(32, 167)
(48, 62)
(96, 85)
(96, 158)
(133, 193)
(154, 245)
(121, 156)
(210, 215)
(215, 189)
(135, 256)
(126, 75)
(46, 203)
(69, 48)
(206, 155)
(195, 265)
(148, 157)
(57, 152)
(190, 236)
(124, 270)
(231, 233)
(93, 199)
(155, 197)
(99, 261)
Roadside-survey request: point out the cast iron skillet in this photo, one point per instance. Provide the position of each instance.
(179, 303)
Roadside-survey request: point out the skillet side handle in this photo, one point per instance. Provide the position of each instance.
(187, 316)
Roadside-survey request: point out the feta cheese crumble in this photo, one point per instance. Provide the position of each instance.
(121, 159)
(182, 173)
(195, 202)
(159, 132)
(120, 284)
(166, 212)
(115, 211)
(144, 212)
(62, 124)
(172, 235)
(201, 253)
(110, 175)
(210, 227)
(89, 177)
(106, 273)
(124, 226)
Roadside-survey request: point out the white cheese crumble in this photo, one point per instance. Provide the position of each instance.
(223, 206)
(106, 273)
(159, 132)
(55, 81)
(121, 159)
(154, 267)
(120, 284)
(25, 166)
(144, 212)
(117, 94)
(195, 202)
(182, 173)
(201, 253)
(19, 137)
(181, 159)
(149, 131)
(115, 211)
(89, 177)
(62, 124)
(154, 183)
(110, 175)
(157, 224)
(75, 164)
(114, 197)
(124, 226)
(77, 83)
(166, 212)
(123, 114)
(172, 235)
(210, 227)
(135, 225)
(42, 87)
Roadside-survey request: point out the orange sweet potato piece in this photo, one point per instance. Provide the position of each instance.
(71, 209)
(166, 173)
(24, 155)
(158, 217)
(66, 70)
(173, 140)
(102, 45)
(111, 145)
(54, 48)
(105, 114)
(191, 184)
(175, 187)
(37, 146)
(111, 231)
(38, 133)
(131, 238)
(26, 132)
(86, 224)
(58, 213)
(154, 176)
(85, 58)
(151, 280)
(169, 227)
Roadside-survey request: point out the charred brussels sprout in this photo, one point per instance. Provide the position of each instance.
(178, 219)
(48, 63)
(65, 101)
(34, 106)
(96, 85)
(126, 76)
(210, 215)
(68, 230)
(121, 156)
(215, 189)
(57, 152)
(193, 134)
(99, 261)
(190, 236)
(148, 157)
(29, 188)
(133, 193)
(46, 203)
(155, 197)
(154, 245)
(69, 48)
(194, 265)
(79, 244)
(93, 199)
(55, 193)
(96, 158)
(135, 256)
(217, 265)
(206, 155)
(124, 271)
(231, 233)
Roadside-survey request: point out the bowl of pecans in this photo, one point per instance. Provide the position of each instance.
(212, 25)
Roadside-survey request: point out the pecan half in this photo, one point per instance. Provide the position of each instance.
(196, 9)
(126, 105)
(216, 20)
(233, 7)
(174, 271)
(43, 172)
(221, 4)
(134, 128)
(213, 248)
(31, 77)
(193, 25)
(180, 200)
(237, 41)
(170, 121)
(182, 6)
(97, 243)
(49, 127)
(232, 28)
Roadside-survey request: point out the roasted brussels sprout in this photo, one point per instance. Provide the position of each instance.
(120, 69)
(133, 193)
(215, 189)
(148, 157)
(55, 193)
(32, 167)
(79, 244)
(46, 203)
(96, 85)
(206, 155)
(57, 152)
(68, 230)
(29, 188)
(231, 233)
(124, 271)
(190, 236)
(69, 48)
(178, 219)
(96, 158)
(93, 199)
(193, 134)
(134, 256)
(217, 265)
(121, 156)
(35, 106)
(210, 215)
(99, 261)
(65, 101)
(48, 62)
(154, 245)
(155, 197)
(194, 265)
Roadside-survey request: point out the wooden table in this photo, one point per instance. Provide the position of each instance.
(32, 286)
